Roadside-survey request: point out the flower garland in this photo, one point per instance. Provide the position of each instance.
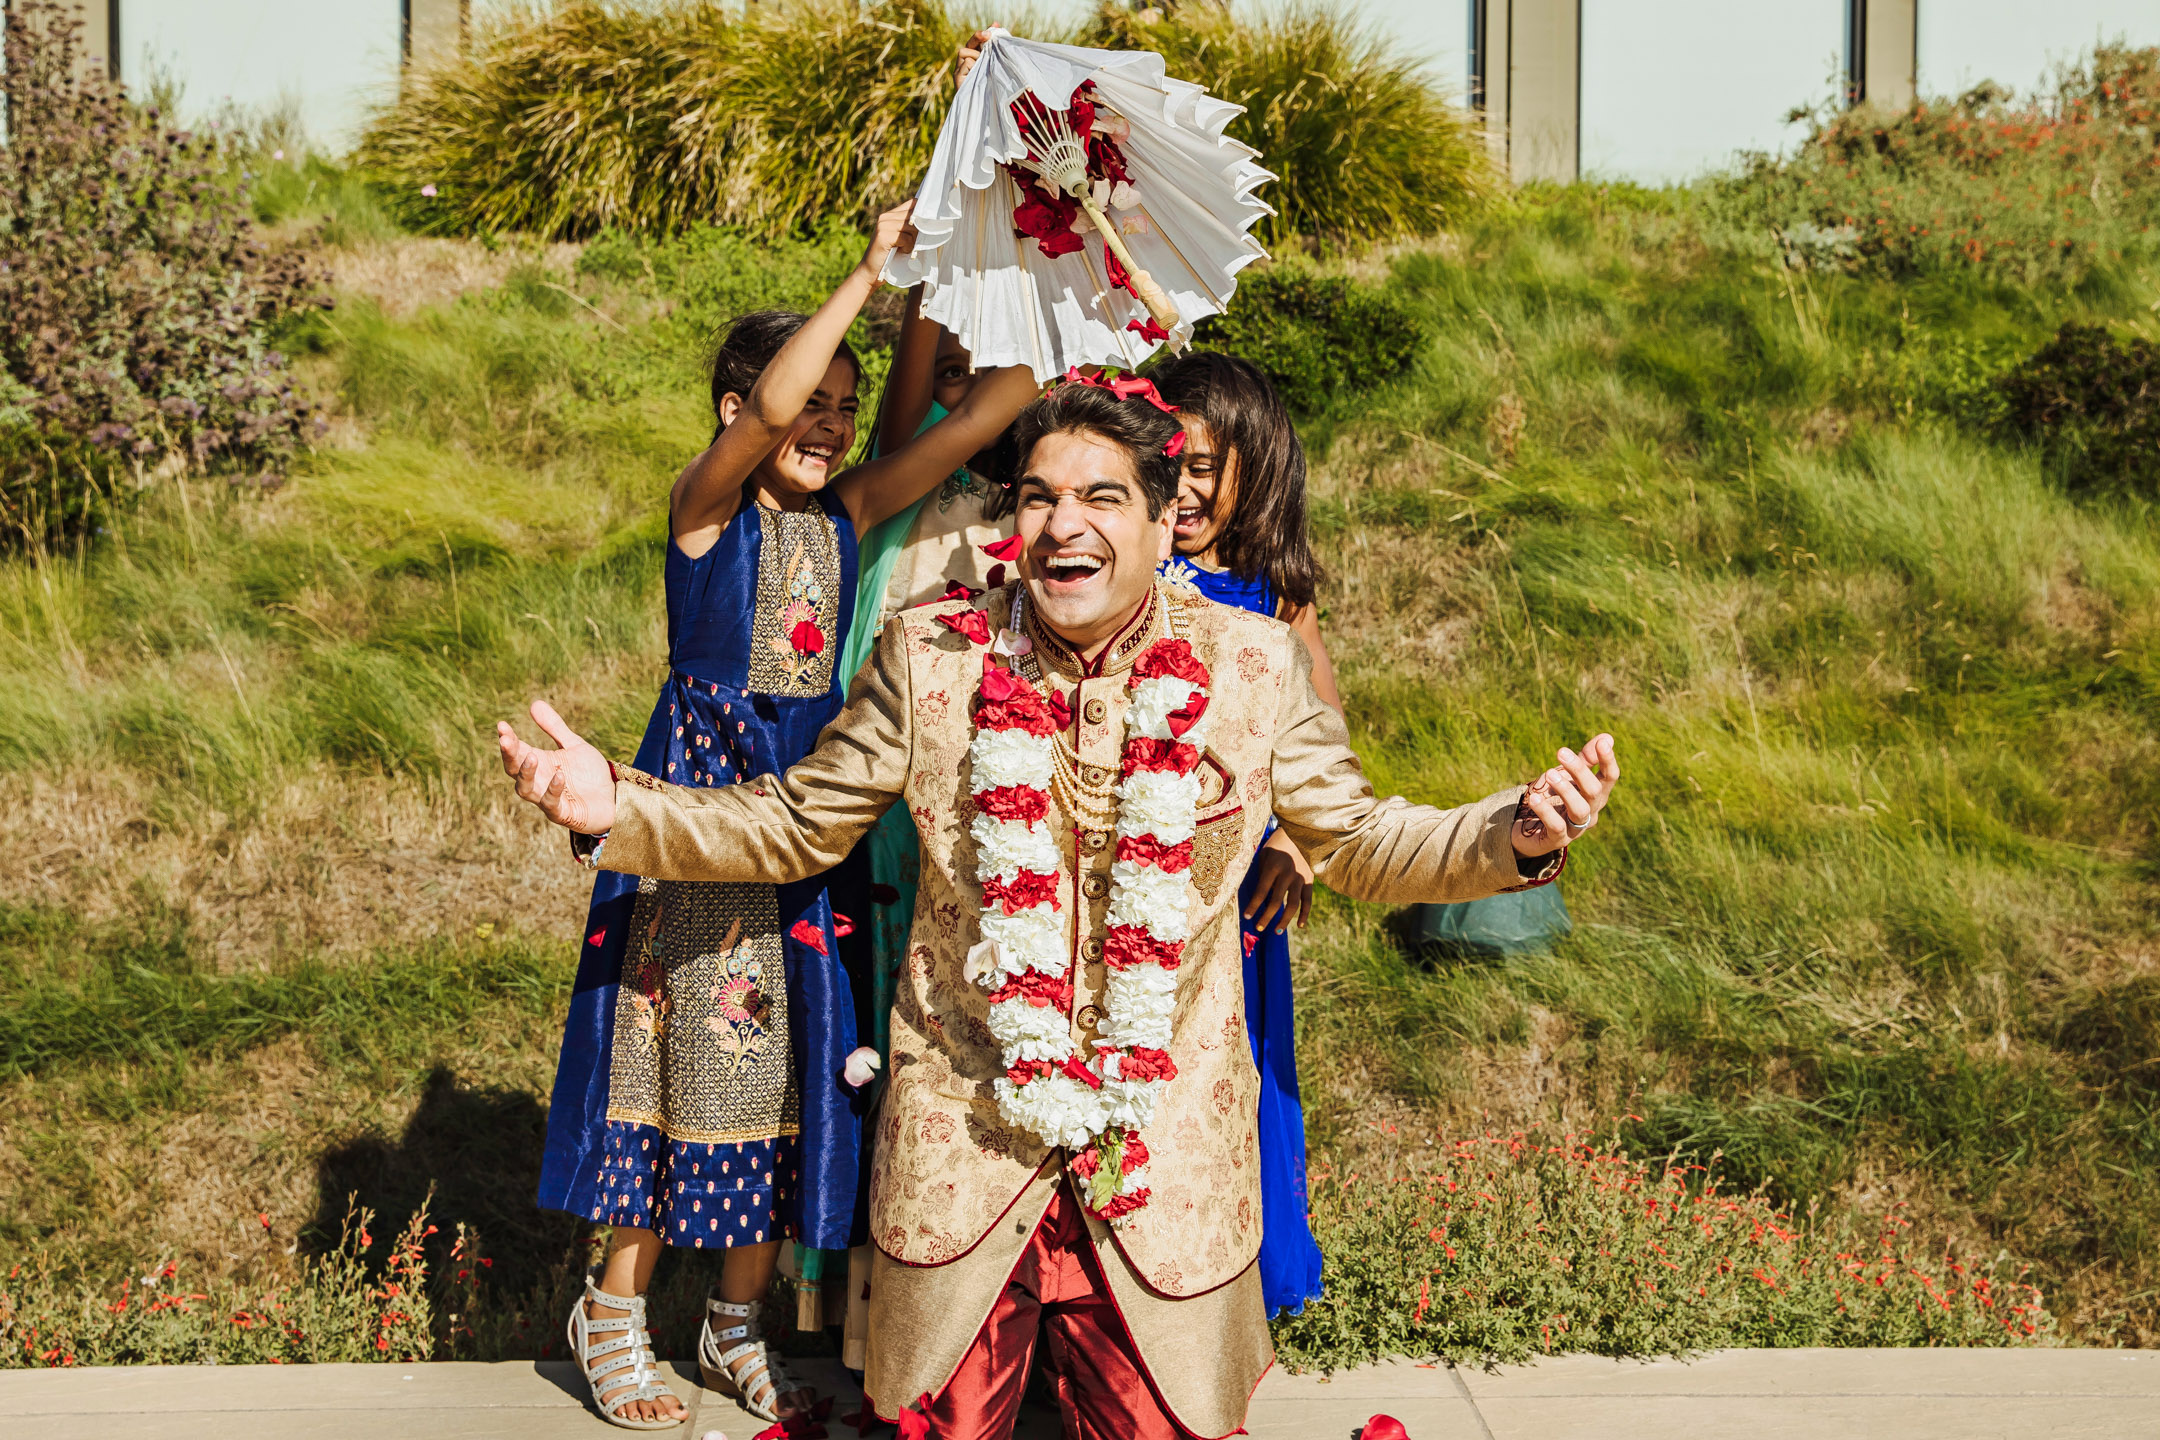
(1093, 1108)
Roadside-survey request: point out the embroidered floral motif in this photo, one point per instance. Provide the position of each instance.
(793, 637)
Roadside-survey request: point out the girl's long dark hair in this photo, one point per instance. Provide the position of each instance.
(1265, 532)
(750, 345)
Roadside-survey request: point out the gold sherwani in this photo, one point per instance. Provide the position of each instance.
(954, 1191)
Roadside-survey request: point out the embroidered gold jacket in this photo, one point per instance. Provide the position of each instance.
(947, 1167)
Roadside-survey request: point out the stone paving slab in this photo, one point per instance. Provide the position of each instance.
(1758, 1394)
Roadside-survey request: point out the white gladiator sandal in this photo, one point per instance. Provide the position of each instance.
(615, 1351)
(761, 1382)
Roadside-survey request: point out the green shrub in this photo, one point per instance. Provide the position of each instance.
(1319, 337)
(133, 295)
(2094, 404)
(1504, 1247)
(1364, 144)
(2053, 188)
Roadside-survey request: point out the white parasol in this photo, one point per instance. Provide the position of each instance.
(1174, 229)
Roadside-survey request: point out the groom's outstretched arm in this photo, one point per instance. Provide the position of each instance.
(775, 828)
(1399, 853)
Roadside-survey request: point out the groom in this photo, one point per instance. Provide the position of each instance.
(1016, 1181)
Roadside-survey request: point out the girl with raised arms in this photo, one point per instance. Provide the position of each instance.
(702, 1097)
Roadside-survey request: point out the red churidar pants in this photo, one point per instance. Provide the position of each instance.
(1103, 1388)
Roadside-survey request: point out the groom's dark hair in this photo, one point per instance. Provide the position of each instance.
(1137, 425)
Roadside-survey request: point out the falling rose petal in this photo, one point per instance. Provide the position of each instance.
(1383, 1427)
(598, 937)
(841, 925)
(1149, 330)
(810, 935)
(884, 895)
(997, 577)
(972, 623)
(1005, 549)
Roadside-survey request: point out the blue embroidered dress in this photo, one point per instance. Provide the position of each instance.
(1289, 1256)
(699, 1091)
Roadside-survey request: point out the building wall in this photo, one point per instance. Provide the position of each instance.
(1674, 88)
(330, 58)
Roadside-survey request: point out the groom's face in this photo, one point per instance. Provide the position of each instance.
(1090, 546)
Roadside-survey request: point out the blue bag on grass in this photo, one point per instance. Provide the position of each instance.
(1521, 922)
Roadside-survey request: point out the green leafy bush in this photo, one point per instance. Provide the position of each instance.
(1318, 336)
(2046, 189)
(133, 294)
(2094, 403)
(1500, 1248)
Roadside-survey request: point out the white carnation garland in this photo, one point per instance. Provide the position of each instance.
(1094, 1108)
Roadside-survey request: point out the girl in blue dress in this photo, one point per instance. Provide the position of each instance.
(1241, 540)
(700, 1099)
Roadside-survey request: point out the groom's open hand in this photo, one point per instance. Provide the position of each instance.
(573, 785)
(1564, 802)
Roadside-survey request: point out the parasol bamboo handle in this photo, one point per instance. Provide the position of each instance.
(1153, 296)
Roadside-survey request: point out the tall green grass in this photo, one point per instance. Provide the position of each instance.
(1885, 698)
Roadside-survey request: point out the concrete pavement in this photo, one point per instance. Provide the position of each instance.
(1756, 1394)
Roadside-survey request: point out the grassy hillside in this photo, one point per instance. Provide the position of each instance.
(1873, 917)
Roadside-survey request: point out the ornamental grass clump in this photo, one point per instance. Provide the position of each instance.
(2048, 189)
(1502, 1247)
(655, 118)
(135, 298)
(781, 117)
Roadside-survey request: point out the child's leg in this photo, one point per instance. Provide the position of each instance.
(629, 1270)
(746, 1276)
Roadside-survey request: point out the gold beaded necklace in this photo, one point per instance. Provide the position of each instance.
(1092, 807)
